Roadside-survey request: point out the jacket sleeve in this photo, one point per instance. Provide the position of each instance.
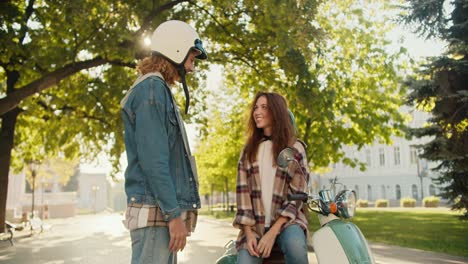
(153, 146)
(244, 215)
(297, 180)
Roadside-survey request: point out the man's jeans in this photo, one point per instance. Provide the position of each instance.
(150, 245)
(292, 242)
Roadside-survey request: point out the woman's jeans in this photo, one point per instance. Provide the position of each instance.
(292, 242)
(150, 245)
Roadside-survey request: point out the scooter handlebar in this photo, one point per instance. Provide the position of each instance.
(298, 197)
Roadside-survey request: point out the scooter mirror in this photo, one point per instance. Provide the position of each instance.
(284, 157)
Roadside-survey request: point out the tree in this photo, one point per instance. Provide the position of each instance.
(342, 87)
(49, 103)
(440, 87)
(56, 168)
(64, 66)
(352, 96)
(218, 152)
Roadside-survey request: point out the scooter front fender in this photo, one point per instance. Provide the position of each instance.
(339, 241)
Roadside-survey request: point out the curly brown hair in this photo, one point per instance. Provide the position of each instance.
(283, 130)
(160, 64)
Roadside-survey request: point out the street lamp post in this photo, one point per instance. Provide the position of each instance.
(421, 174)
(42, 197)
(420, 178)
(95, 189)
(33, 188)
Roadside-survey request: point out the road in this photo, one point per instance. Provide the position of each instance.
(102, 238)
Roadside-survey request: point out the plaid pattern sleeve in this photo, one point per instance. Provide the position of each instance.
(145, 215)
(245, 213)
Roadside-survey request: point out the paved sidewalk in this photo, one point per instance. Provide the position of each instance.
(102, 238)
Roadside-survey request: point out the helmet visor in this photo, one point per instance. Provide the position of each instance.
(199, 46)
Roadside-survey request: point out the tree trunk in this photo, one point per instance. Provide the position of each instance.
(307, 131)
(211, 201)
(7, 134)
(226, 183)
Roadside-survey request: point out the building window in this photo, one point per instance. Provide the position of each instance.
(383, 192)
(414, 191)
(432, 190)
(413, 155)
(356, 190)
(382, 157)
(396, 154)
(398, 192)
(369, 193)
(368, 157)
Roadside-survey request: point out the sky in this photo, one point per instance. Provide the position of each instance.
(416, 46)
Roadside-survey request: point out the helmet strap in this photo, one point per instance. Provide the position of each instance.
(182, 73)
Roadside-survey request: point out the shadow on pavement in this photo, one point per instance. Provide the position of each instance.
(47, 248)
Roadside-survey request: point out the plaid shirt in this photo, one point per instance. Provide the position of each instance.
(250, 210)
(144, 215)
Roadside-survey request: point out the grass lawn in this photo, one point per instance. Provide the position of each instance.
(437, 230)
(426, 229)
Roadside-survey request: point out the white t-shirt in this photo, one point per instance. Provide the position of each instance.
(267, 176)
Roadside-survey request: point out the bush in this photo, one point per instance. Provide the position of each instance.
(381, 203)
(407, 202)
(431, 201)
(362, 203)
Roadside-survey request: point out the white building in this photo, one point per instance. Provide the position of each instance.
(49, 200)
(392, 171)
(92, 191)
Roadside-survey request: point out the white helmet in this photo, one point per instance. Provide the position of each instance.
(174, 39)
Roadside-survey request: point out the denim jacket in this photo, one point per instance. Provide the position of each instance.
(160, 171)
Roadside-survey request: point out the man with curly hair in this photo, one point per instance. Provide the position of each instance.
(161, 179)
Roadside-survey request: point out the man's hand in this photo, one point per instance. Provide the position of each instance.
(178, 233)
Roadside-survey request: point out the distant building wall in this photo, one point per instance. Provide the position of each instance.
(92, 191)
(117, 199)
(392, 171)
(51, 205)
(16, 187)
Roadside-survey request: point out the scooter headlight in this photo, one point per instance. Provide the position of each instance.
(346, 203)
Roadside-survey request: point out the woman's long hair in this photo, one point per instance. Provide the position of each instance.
(157, 63)
(282, 129)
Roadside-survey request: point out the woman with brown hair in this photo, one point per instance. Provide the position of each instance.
(264, 215)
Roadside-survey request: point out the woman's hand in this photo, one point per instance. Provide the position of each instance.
(252, 244)
(266, 243)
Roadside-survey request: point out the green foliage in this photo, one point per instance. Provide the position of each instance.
(431, 201)
(327, 58)
(332, 66)
(446, 235)
(80, 115)
(407, 202)
(440, 88)
(218, 214)
(362, 203)
(381, 203)
(218, 152)
(56, 169)
(432, 230)
(356, 96)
